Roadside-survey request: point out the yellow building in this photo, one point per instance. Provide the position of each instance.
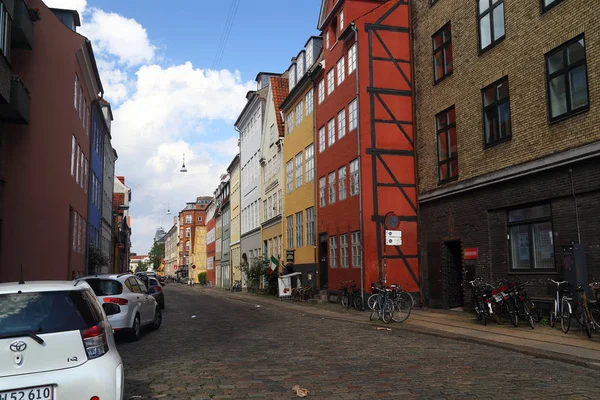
(299, 211)
(198, 257)
(235, 227)
(271, 173)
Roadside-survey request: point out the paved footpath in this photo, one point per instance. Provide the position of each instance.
(233, 350)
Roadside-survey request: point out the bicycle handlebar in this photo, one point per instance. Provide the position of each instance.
(558, 283)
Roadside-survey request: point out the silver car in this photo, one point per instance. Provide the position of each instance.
(138, 308)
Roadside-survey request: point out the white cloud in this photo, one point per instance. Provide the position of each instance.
(114, 80)
(78, 5)
(122, 37)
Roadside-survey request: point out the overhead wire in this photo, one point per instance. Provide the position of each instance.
(229, 22)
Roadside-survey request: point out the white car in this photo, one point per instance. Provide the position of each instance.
(56, 343)
(138, 308)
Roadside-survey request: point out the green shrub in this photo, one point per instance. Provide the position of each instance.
(202, 278)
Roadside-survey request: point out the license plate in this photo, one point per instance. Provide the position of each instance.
(34, 393)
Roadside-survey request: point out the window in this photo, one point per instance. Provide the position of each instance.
(322, 139)
(265, 216)
(322, 185)
(310, 102)
(321, 89)
(298, 170)
(270, 211)
(531, 238)
(84, 111)
(73, 154)
(289, 175)
(309, 157)
(442, 53)
(292, 76)
(300, 66)
(341, 71)
(75, 95)
(309, 55)
(272, 133)
(496, 112)
(344, 251)
(341, 120)
(290, 232)
(327, 40)
(290, 122)
(354, 178)
(332, 188)
(299, 113)
(86, 176)
(188, 219)
(491, 23)
(280, 198)
(78, 166)
(299, 232)
(356, 250)
(187, 246)
(352, 59)
(330, 81)
(341, 21)
(352, 115)
(566, 77)
(310, 226)
(331, 132)
(332, 252)
(199, 219)
(80, 103)
(447, 149)
(342, 182)
(548, 4)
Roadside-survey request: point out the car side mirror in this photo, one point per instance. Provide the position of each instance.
(111, 309)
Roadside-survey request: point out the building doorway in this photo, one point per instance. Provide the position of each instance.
(454, 274)
(323, 268)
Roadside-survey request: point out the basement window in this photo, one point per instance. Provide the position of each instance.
(530, 239)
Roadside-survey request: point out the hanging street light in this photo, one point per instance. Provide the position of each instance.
(183, 168)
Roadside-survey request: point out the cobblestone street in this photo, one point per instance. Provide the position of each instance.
(233, 349)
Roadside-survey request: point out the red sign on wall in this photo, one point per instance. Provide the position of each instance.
(175, 267)
(471, 253)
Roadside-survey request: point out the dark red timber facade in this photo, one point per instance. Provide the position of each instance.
(46, 165)
(365, 144)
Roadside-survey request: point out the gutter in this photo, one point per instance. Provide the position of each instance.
(360, 203)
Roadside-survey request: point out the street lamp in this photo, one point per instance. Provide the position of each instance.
(183, 168)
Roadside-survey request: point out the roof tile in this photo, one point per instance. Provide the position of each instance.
(280, 91)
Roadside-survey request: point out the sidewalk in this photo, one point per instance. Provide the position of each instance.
(544, 342)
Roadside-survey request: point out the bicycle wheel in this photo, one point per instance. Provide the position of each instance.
(579, 313)
(595, 317)
(409, 297)
(345, 300)
(512, 313)
(357, 301)
(496, 314)
(587, 324)
(565, 315)
(552, 319)
(372, 301)
(388, 312)
(402, 310)
(374, 315)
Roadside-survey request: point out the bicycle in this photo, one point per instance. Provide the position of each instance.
(384, 309)
(401, 304)
(583, 313)
(562, 307)
(351, 297)
(522, 302)
(478, 300)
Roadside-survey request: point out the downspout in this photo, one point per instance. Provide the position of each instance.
(576, 206)
(315, 199)
(360, 206)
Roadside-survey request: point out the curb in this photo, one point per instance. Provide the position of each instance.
(548, 355)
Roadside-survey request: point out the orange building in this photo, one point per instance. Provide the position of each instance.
(365, 144)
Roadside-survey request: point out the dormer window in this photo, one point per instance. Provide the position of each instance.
(292, 77)
(300, 66)
(309, 55)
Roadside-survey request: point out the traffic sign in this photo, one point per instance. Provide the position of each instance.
(393, 238)
(391, 221)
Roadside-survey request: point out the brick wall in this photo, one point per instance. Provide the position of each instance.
(529, 35)
(478, 218)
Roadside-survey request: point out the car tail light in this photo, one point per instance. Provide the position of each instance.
(94, 341)
(157, 289)
(116, 300)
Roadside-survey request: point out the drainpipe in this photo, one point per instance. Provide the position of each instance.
(576, 206)
(360, 209)
(315, 199)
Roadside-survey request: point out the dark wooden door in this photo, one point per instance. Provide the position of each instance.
(434, 268)
(323, 269)
(454, 274)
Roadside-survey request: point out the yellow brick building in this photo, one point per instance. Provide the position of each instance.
(299, 165)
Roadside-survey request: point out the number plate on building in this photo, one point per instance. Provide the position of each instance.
(34, 393)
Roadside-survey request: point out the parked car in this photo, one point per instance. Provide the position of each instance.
(138, 309)
(154, 288)
(56, 342)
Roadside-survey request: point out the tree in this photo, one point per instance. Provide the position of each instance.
(157, 254)
(96, 260)
(141, 267)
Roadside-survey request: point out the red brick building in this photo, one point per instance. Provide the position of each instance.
(193, 215)
(211, 223)
(365, 142)
(45, 143)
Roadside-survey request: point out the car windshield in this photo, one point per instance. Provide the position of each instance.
(45, 312)
(154, 282)
(105, 287)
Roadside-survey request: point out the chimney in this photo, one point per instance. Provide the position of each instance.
(122, 179)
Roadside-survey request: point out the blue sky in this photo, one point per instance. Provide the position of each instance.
(156, 65)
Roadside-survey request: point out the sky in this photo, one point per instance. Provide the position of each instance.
(175, 89)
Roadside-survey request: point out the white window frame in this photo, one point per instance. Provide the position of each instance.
(331, 132)
(330, 81)
(341, 122)
(290, 122)
(341, 20)
(76, 94)
(332, 251)
(352, 59)
(299, 229)
(344, 250)
(321, 90)
(299, 113)
(331, 182)
(354, 177)
(73, 154)
(290, 231)
(322, 191)
(327, 39)
(356, 250)
(188, 219)
(299, 175)
(353, 115)
(341, 70)
(289, 175)
(310, 226)
(343, 193)
(309, 102)
(309, 161)
(322, 139)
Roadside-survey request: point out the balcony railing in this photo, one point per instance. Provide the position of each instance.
(17, 109)
(22, 27)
